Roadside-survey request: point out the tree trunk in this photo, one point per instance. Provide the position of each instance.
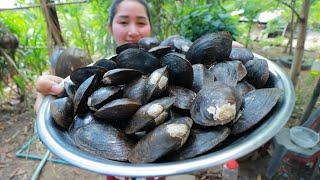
(53, 27)
(291, 29)
(313, 100)
(296, 66)
(291, 43)
(248, 33)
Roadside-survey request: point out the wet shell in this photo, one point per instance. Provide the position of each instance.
(118, 110)
(138, 59)
(199, 142)
(149, 115)
(241, 54)
(81, 74)
(148, 42)
(82, 94)
(162, 140)
(178, 43)
(210, 48)
(255, 106)
(135, 90)
(214, 105)
(243, 88)
(71, 59)
(102, 96)
(107, 64)
(120, 76)
(160, 51)
(102, 140)
(156, 84)
(201, 77)
(62, 111)
(229, 72)
(180, 70)
(70, 89)
(258, 72)
(80, 121)
(126, 46)
(183, 96)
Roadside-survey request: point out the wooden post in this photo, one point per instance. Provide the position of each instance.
(296, 66)
(53, 28)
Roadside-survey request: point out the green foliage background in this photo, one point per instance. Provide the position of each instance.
(84, 26)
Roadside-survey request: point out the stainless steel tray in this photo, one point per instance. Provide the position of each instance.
(58, 142)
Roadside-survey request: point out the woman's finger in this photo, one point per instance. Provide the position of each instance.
(48, 84)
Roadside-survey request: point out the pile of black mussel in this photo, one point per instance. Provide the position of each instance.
(165, 101)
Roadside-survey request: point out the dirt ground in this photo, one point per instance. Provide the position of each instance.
(16, 127)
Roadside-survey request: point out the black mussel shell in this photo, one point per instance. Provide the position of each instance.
(175, 112)
(138, 59)
(62, 111)
(255, 106)
(135, 90)
(210, 48)
(71, 59)
(120, 76)
(162, 140)
(108, 64)
(102, 96)
(117, 110)
(214, 105)
(148, 42)
(82, 94)
(201, 77)
(178, 43)
(126, 46)
(81, 74)
(102, 140)
(149, 115)
(79, 121)
(183, 96)
(156, 84)
(180, 70)
(229, 72)
(241, 54)
(199, 142)
(160, 51)
(70, 88)
(54, 57)
(242, 88)
(258, 72)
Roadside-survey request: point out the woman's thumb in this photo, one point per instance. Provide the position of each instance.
(48, 84)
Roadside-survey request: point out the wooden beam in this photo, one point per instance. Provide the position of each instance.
(49, 5)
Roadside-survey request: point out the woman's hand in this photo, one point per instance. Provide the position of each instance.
(45, 85)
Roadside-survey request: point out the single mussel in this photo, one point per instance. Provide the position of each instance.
(242, 88)
(149, 115)
(210, 48)
(183, 96)
(135, 89)
(160, 51)
(180, 70)
(102, 96)
(62, 111)
(82, 94)
(258, 72)
(138, 59)
(178, 43)
(241, 54)
(255, 106)
(201, 77)
(107, 64)
(199, 142)
(120, 76)
(214, 105)
(117, 110)
(162, 140)
(229, 72)
(81, 74)
(156, 84)
(126, 46)
(148, 42)
(102, 140)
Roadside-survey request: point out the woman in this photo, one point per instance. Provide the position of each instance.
(129, 21)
